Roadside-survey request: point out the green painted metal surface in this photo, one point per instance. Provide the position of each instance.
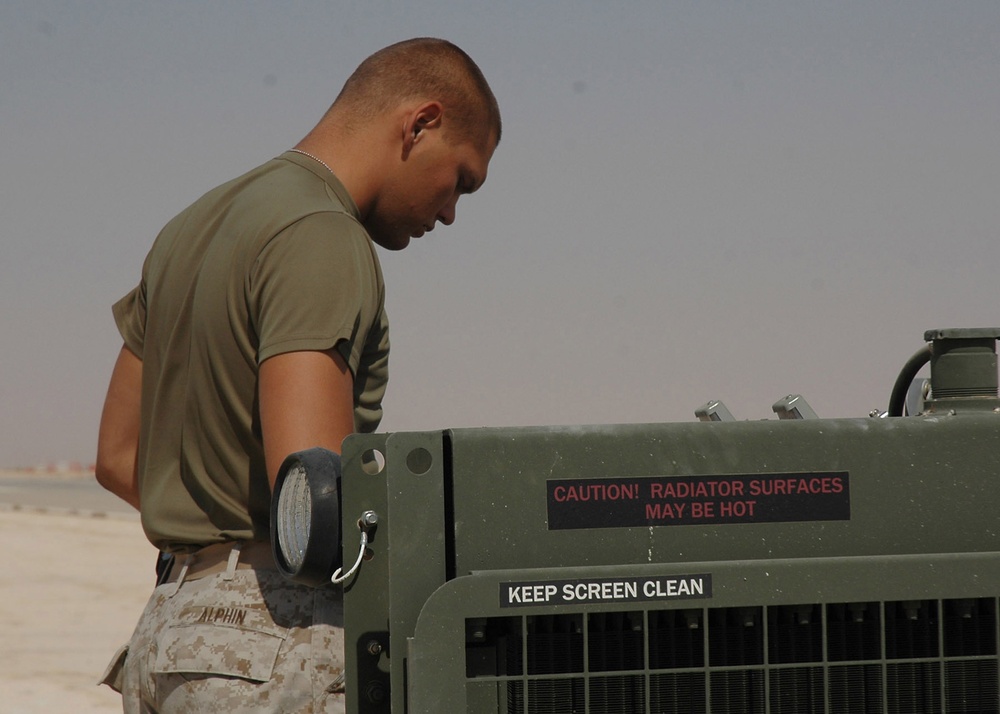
(813, 565)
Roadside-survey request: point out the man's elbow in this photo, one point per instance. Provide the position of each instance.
(118, 478)
(105, 474)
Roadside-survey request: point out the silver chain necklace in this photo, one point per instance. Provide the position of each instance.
(314, 158)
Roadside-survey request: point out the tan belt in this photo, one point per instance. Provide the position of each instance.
(221, 558)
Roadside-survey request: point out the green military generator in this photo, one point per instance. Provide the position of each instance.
(795, 565)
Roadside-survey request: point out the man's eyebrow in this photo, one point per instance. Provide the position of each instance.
(471, 182)
(467, 183)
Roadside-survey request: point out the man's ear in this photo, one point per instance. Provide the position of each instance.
(423, 117)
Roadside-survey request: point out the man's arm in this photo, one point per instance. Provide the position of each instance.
(306, 400)
(118, 439)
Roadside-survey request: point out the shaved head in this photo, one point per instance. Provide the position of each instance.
(428, 69)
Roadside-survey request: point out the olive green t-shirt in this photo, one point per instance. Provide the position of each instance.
(274, 261)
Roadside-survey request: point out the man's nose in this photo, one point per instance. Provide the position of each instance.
(447, 214)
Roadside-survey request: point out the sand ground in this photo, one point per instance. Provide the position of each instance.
(72, 585)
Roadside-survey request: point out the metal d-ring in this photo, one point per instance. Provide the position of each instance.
(369, 519)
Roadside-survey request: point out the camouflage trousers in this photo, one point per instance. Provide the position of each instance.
(243, 641)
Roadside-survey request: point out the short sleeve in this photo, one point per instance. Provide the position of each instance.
(130, 316)
(314, 286)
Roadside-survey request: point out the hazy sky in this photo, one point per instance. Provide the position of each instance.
(692, 200)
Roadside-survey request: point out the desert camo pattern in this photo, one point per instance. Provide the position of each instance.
(251, 641)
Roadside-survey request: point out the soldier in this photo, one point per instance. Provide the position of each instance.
(257, 330)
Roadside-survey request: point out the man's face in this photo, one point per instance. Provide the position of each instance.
(426, 188)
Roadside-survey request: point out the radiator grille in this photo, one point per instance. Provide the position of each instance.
(893, 657)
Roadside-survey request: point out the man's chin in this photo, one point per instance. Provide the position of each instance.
(393, 242)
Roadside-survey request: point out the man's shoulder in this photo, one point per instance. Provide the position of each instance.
(282, 183)
(266, 200)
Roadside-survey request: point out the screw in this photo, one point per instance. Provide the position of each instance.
(369, 519)
(374, 648)
(375, 692)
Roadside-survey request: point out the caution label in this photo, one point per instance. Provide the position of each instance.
(594, 590)
(692, 500)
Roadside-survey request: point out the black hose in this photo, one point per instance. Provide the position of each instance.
(909, 372)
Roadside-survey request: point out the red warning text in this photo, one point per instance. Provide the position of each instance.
(689, 500)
